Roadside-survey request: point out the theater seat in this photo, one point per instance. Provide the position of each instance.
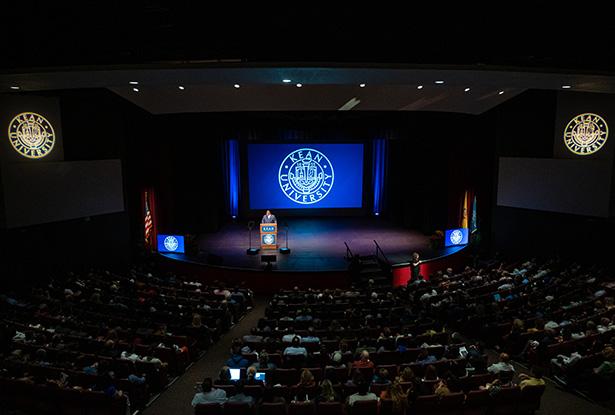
(212, 408)
(330, 408)
(278, 408)
(451, 404)
(364, 408)
(301, 408)
(477, 402)
(529, 402)
(238, 408)
(505, 401)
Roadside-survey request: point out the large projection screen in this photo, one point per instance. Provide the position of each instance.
(305, 176)
(575, 186)
(37, 193)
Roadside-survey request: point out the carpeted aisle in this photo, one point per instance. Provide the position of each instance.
(176, 399)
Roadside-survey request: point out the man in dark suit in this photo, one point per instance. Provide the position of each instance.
(269, 218)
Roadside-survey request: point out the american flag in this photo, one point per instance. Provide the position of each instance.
(148, 220)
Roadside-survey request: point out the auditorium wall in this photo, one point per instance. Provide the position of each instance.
(95, 125)
(525, 127)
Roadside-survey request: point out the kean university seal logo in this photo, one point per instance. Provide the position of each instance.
(171, 243)
(456, 237)
(31, 135)
(586, 134)
(306, 176)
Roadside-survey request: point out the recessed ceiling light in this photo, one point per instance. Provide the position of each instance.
(181, 87)
(135, 89)
(500, 93)
(15, 87)
(566, 86)
(134, 82)
(286, 81)
(439, 82)
(419, 87)
(237, 85)
(299, 85)
(466, 90)
(362, 85)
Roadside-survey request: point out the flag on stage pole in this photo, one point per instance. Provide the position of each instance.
(473, 220)
(464, 211)
(148, 222)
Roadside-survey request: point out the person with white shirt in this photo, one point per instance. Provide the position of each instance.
(502, 366)
(363, 394)
(208, 394)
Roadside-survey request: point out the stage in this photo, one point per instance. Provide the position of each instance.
(317, 245)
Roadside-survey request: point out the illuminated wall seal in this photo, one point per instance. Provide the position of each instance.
(31, 135)
(306, 176)
(171, 243)
(586, 134)
(456, 237)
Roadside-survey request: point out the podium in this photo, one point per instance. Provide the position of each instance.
(269, 235)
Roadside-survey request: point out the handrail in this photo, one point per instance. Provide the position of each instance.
(349, 254)
(379, 250)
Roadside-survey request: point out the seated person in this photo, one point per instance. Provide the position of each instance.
(362, 394)
(251, 377)
(224, 378)
(240, 396)
(363, 361)
(237, 361)
(327, 392)
(263, 361)
(295, 348)
(208, 394)
(502, 366)
(381, 377)
(535, 379)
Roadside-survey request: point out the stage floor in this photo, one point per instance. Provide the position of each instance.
(317, 244)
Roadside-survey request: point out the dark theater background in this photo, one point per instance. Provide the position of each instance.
(441, 181)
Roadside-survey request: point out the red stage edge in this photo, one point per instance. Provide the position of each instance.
(259, 281)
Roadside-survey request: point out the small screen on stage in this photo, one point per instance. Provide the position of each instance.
(455, 237)
(171, 243)
(305, 176)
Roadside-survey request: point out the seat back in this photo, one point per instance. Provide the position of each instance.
(364, 408)
(267, 408)
(329, 408)
(210, 408)
(301, 408)
(237, 408)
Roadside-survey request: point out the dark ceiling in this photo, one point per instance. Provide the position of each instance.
(38, 34)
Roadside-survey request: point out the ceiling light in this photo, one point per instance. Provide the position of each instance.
(237, 86)
(419, 87)
(466, 90)
(500, 93)
(362, 85)
(181, 87)
(134, 82)
(439, 82)
(286, 81)
(15, 87)
(566, 86)
(299, 85)
(135, 89)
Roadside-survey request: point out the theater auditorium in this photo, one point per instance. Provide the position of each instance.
(305, 212)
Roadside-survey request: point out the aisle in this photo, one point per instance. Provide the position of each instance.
(176, 399)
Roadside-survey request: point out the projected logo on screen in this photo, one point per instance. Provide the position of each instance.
(171, 243)
(31, 135)
(585, 134)
(306, 176)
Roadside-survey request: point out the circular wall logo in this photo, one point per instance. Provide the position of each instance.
(456, 237)
(306, 176)
(31, 135)
(170, 243)
(586, 134)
